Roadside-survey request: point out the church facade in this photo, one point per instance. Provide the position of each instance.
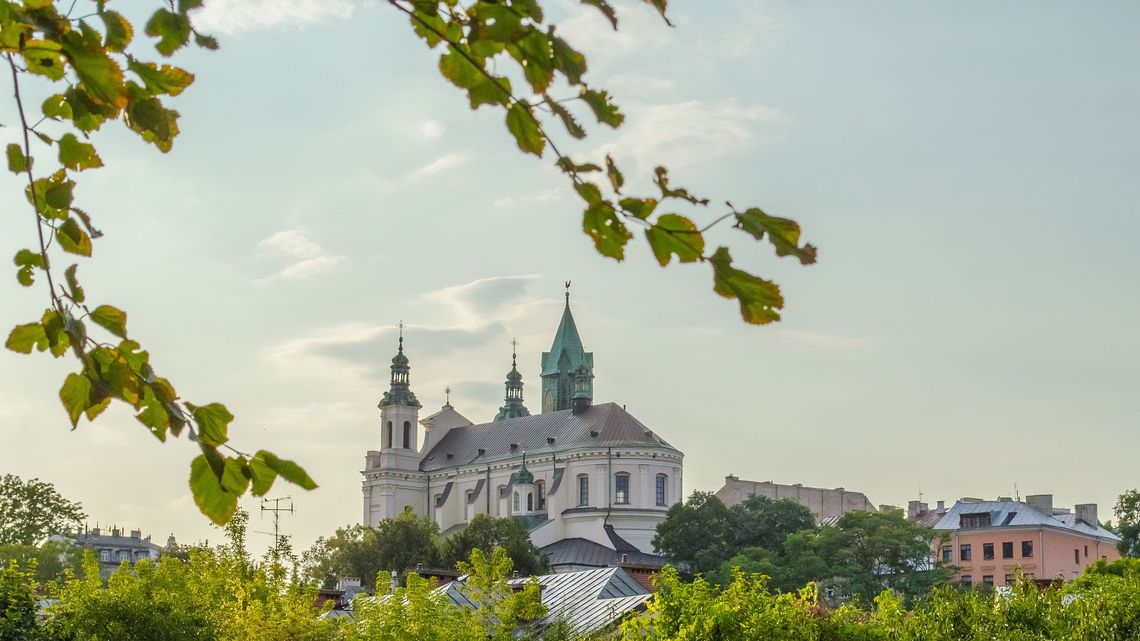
(590, 481)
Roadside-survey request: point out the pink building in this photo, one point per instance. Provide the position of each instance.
(988, 541)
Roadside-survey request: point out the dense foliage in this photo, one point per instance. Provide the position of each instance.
(1128, 523)
(1104, 604)
(406, 541)
(33, 510)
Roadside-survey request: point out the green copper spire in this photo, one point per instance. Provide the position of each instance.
(514, 407)
(562, 363)
(399, 393)
(524, 476)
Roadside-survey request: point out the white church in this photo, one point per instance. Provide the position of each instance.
(590, 481)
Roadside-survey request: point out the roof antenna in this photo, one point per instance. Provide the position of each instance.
(1016, 493)
(567, 293)
(447, 391)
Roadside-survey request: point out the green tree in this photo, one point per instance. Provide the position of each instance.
(32, 510)
(696, 533)
(51, 560)
(1128, 523)
(487, 533)
(760, 522)
(502, 54)
(18, 606)
(359, 551)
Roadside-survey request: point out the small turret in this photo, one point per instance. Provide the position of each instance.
(583, 390)
(514, 407)
(523, 489)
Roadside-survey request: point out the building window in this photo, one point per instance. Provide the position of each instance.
(541, 495)
(967, 580)
(1009, 579)
(583, 490)
(988, 551)
(530, 501)
(1086, 551)
(1077, 556)
(468, 505)
(980, 519)
(124, 555)
(621, 488)
(964, 553)
(1027, 549)
(947, 553)
(388, 440)
(516, 504)
(499, 493)
(105, 556)
(1007, 550)
(988, 580)
(407, 435)
(661, 481)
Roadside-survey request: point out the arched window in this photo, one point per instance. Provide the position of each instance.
(388, 439)
(662, 480)
(499, 499)
(621, 488)
(583, 490)
(529, 501)
(469, 505)
(407, 435)
(541, 495)
(516, 508)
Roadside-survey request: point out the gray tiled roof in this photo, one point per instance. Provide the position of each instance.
(1017, 514)
(584, 552)
(604, 425)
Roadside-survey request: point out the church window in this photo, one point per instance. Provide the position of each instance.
(388, 440)
(529, 501)
(500, 492)
(469, 505)
(407, 435)
(516, 502)
(661, 481)
(621, 488)
(583, 490)
(541, 495)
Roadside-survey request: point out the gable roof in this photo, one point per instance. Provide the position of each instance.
(1018, 514)
(604, 425)
(584, 552)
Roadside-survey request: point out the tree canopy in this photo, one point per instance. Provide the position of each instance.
(363, 552)
(33, 510)
(502, 54)
(485, 532)
(1128, 522)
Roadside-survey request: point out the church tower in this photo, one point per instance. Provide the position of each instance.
(514, 407)
(399, 417)
(561, 365)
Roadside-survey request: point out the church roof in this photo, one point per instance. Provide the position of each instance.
(566, 339)
(604, 425)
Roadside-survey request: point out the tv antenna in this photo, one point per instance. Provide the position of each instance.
(277, 508)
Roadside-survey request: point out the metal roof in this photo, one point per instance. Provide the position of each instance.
(584, 552)
(603, 425)
(1018, 514)
(566, 340)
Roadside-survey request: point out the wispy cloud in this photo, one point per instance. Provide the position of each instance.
(431, 128)
(443, 163)
(476, 303)
(235, 16)
(309, 258)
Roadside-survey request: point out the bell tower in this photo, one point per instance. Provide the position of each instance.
(563, 363)
(514, 406)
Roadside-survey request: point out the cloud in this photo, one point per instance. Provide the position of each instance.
(640, 28)
(431, 128)
(691, 132)
(543, 197)
(473, 303)
(310, 259)
(443, 163)
(822, 341)
(236, 16)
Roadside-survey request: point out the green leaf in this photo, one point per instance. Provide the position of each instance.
(605, 111)
(570, 62)
(76, 396)
(151, 120)
(616, 179)
(206, 42)
(760, 300)
(235, 476)
(77, 155)
(783, 233)
(568, 120)
(494, 22)
(23, 338)
(610, 235)
(27, 261)
(57, 107)
(521, 123)
(589, 193)
(660, 6)
(639, 207)
(428, 26)
(673, 234)
(661, 178)
(72, 239)
(166, 79)
(570, 167)
(209, 495)
(536, 56)
(17, 161)
(73, 287)
(112, 319)
(288, 470)
(99, 74)
(606, 9)
(172, 30)
(88, 113)
(262, 475)
(487, 92)
(153, 413)
(55, 329)
(44, 57)
(459, 70)
(213, 422)
(118, 31)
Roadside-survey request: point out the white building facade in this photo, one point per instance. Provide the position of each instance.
(591, 475)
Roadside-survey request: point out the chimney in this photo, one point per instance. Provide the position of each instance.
(915, 509)
(95, 531)
(1043, 503)
(624, 559)
(136, 534)
(942, 507)
(1087, 512)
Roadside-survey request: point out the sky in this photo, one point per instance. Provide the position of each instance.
(967, 170)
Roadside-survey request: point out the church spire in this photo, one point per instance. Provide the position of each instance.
(563, 362)
(399, 391)
(514, 407)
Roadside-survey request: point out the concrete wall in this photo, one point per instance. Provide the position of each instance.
(823, 503)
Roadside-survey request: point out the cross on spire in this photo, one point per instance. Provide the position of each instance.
(567, 293)
(447, 391)
(514, 352)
